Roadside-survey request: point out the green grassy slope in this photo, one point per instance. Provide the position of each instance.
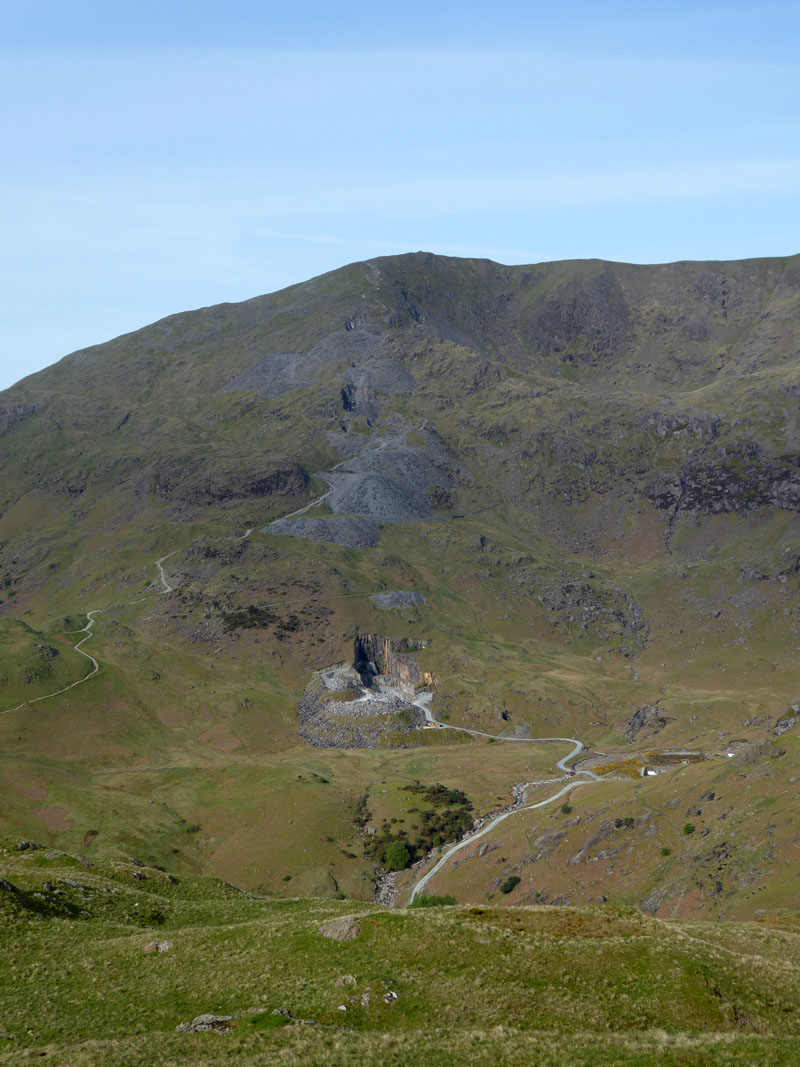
(533, 985)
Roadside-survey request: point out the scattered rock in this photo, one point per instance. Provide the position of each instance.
(400, 599)
(390, 997)
(751, 574)
(342, 1007)
(345, 929)
(366, 1000)
(346, 979)
(157, 946)
(785, 724)
(218, 1023)
(647, 718)
(346, 530)
(655, 900)
(386, 889)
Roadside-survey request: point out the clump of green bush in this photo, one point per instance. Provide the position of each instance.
(510, 883)
(425, 900)
(397, 856)
(448, 818)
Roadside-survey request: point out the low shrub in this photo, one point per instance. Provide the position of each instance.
(432, 901)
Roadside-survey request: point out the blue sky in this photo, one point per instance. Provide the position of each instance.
(158, 157)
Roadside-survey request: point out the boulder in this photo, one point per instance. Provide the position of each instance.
(345, 929)
(157, 946)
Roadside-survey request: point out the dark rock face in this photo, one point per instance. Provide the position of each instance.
(583, 320)
(740, 479)
(16, 410)
(368, 386)
(202, 481)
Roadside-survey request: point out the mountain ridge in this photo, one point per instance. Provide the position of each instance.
(584, 477)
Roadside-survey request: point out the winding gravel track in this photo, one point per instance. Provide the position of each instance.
(87, 629)
(167, 588)
(319, 499)
(422, 702)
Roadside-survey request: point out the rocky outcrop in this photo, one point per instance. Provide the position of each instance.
(739, 478)
(16, 411)
(784, 725)
(347, 928)
(608, 613)
(205, 1023)
(207, 481)
(649, 719)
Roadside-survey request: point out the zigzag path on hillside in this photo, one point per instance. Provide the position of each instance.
(89, 631)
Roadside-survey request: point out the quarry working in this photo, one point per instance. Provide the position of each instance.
(375, 699)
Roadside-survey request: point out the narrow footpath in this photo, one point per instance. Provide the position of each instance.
(88, 630)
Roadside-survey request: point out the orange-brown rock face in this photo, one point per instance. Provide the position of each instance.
(390, 658)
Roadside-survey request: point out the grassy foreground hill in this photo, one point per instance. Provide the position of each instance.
(587, 473)
(105, 961)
